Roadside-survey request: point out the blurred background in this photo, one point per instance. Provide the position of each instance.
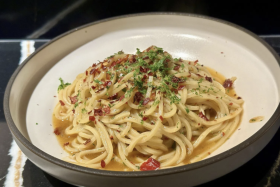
(48, 19)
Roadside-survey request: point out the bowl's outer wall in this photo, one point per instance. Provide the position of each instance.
(52, 53)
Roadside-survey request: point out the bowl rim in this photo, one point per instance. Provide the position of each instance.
(17, 134)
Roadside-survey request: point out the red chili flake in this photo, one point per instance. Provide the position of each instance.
(199, 75)
(92, 71)
(144, 77)
(56, 131)
(107, 83)
(87, 141)
(98, 112)
(222, 52)
(89, 112)
(103, 164)
(145, 118)
(106, 110)
(161, 118)
(209, 153)
(93, 65)
(239, 98)
(133, 59)
(223, 133)
(61, 102)
(137, 97)
(67, 143)
(91, 118)
(120, 79)
(85, 79)
(181, 87)
(145, 58)
(180, 60)
(177, 80)
(146, 101)
(143, 70)
(152, 123)
(167, 60)
(86, 73)
(165, 138)
(54, 96)
(195, 62)
(103, 67)
(176, 68)
(174, 90)
(150, 74)
(203, 116)
(73, 111)
(113, 64)
(150, 164)
(209, 79)
(198, 124)
(189, 75)
(99, 90)
(111, 137)
(73, 99)
(153, 95)
(112, 97)
(93, 87)
(230, 103)
(107, 76)
(121, 98)
(228, 83)
(118, 131)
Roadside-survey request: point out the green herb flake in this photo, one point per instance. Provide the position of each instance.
(62, 84)
(84, 110)
(187, 110)
(98, 81)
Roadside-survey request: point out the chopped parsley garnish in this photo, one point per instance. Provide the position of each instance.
(111, 105)
(170, 94)
(84, 110)
(62, 85)
(128, 93)
(187, 110)
(98, 81)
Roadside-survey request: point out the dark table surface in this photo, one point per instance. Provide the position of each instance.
(50, 18)
(262, 170)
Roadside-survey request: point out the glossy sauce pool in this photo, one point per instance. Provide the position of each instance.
(117, 166)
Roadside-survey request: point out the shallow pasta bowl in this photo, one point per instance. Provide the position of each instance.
(225, 47)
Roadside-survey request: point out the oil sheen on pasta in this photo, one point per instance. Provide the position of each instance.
(195, 132)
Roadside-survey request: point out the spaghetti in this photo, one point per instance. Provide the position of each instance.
(146, 111)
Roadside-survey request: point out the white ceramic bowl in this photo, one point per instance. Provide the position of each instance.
(229, 49)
